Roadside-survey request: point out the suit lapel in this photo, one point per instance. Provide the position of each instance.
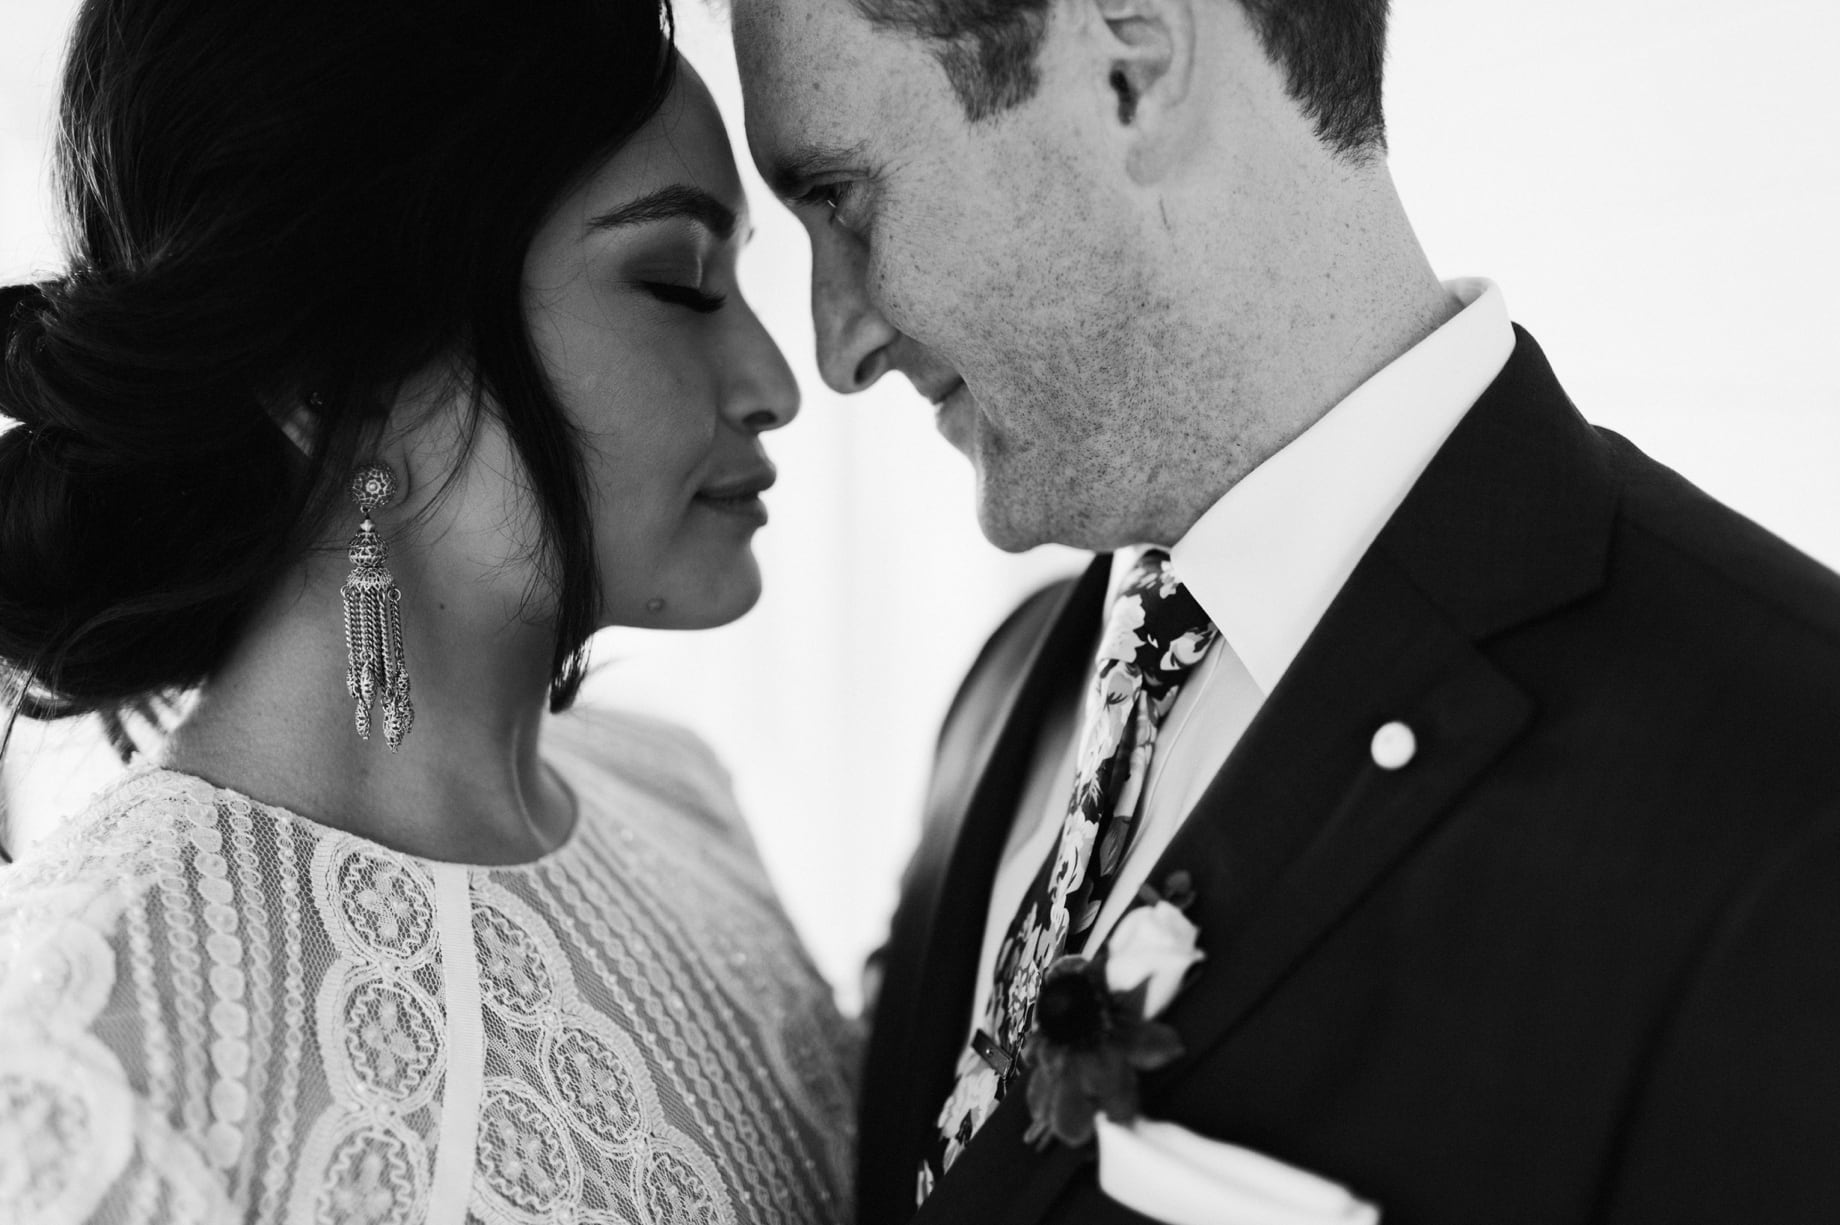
(1406, 665)
(1357, 819)
(1510, 521)
(937, 932)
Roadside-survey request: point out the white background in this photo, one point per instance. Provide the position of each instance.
(1655, 186)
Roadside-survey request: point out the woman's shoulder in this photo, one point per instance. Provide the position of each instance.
(108, 929)
(665, 760)
(92, 900)
(113, 838)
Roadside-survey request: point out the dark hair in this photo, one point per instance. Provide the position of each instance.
(265, 201)
(1332, 51)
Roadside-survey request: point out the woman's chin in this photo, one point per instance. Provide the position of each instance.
(724, 596)
(720, 613)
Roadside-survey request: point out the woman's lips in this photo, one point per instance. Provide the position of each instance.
(739, 497)
(742, 506)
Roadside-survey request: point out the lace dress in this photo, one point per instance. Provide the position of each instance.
(215, 1010)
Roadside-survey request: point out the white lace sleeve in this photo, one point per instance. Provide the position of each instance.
(213, 1010)
(85, 1042)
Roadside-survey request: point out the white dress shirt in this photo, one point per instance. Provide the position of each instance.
(1264, 562)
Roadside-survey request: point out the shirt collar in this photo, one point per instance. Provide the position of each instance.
(1266, 560)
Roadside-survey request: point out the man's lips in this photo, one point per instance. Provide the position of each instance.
(938, 393)
(951, 415)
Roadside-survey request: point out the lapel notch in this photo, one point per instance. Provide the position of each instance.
(1512, 517)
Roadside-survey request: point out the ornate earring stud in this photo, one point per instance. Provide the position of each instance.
(375, 671)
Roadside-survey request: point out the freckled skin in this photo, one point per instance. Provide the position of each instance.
(981, 281)
(1139, 324)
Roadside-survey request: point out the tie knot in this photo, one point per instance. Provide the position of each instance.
(1155, 624)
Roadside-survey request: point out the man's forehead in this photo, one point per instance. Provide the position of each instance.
(782, 34)
(815, 75)
(817, 46)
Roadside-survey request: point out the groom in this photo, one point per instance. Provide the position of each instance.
(1503, 766)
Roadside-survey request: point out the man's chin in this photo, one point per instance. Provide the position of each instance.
(1018, 524)
(1002, 527)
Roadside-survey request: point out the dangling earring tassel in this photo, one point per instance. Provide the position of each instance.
(375, 671)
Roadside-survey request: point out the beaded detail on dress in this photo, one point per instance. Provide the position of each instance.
(214, 1010)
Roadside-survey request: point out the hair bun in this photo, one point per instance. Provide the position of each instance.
(136, 503)
(29, 297)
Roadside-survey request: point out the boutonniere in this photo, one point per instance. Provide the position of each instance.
(1095, 1019)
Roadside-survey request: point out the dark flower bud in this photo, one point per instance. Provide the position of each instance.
(1074, 1007)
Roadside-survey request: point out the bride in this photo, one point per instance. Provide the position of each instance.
(400, 349)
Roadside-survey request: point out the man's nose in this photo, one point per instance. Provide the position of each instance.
(853, 337)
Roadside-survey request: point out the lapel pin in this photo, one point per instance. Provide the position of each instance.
(1393, 746)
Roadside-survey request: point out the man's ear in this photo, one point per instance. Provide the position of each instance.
(1150, 56)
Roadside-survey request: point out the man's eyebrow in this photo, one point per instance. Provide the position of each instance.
(667, 203)
(788, 175)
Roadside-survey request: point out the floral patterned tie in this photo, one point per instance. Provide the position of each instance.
(1155, 634)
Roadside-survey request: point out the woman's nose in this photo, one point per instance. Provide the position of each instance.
(765, 395)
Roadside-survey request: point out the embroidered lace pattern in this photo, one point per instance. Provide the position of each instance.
(215, 1010)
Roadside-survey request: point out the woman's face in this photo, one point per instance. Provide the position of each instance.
(634, 309)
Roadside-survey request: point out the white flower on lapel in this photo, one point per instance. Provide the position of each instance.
(1122, 641)
(1154, 944)
(1093, 1030)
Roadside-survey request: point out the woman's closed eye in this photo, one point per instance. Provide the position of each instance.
(688, 296)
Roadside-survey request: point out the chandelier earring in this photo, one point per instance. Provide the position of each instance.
(376, 672)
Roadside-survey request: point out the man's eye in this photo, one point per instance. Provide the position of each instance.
(822, 196)
(688, 296)
(827, 196)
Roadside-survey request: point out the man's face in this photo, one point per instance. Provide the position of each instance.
(997, 264)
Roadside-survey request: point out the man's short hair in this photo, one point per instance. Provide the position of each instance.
(1332, 51)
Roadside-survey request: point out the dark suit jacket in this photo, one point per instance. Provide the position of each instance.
(1578, 961)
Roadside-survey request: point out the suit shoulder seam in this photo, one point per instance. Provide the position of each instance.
(1751, 591)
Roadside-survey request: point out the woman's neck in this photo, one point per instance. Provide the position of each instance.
(275, 722)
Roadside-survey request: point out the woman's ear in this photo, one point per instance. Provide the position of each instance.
(301, 418)
(1149, 59)
(297, 417)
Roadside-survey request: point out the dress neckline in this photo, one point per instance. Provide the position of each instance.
(203, 788)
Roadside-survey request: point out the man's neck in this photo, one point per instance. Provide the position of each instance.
(1353, 295)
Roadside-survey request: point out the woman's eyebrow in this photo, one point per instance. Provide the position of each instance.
(680, 200)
